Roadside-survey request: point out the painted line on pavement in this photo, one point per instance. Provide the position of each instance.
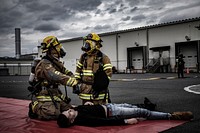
(155, 78)
(188, 89)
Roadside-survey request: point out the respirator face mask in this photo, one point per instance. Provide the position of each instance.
(62, 52)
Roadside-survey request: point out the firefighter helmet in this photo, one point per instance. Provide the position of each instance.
(52, 42)
(91, 43)
(93, 37)
(49, 41)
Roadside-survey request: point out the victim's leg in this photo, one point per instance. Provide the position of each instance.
(137, 112)
(125, 105)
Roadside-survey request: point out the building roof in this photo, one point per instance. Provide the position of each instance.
(138, 28)
(25, 57)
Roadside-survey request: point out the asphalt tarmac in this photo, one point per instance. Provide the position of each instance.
(164, 89)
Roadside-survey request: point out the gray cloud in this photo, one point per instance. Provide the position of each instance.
(47, 27)
(181, 12)
(102, 27)
(112, 11)
(134, 9)
(126, 18)
(73, 18)
(78, 5)
(138, 17)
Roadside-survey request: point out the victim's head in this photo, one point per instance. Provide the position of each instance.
(67, 118)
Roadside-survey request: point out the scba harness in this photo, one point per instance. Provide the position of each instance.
(101, 80)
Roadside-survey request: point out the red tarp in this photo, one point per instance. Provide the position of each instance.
(14, 119)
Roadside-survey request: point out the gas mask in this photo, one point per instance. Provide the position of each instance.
(89, 46)
(60, 50)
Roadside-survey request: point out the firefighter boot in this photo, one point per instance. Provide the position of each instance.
(31, 114)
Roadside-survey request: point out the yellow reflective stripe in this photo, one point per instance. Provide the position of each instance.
(62, 97)
(57, 98)
(77, 73)
(47, 98)
(79, 65)
(34, 104)
(57, 72)
(67, 71)
(88, 74)
(90, 96)
(107, 66)
(70, 81)
(109, 77)
(78, 77)
(88, 71)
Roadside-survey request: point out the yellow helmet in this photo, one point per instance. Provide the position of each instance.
(91, 43)
(52, 42)
(49, 41)
(93, 37)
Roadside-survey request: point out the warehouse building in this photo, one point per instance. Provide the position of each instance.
(151, 48)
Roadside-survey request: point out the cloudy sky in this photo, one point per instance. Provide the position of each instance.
(75, 18)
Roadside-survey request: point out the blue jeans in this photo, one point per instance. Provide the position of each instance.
(134, 112)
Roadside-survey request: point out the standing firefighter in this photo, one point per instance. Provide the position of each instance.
(49, 74)
(93, 72)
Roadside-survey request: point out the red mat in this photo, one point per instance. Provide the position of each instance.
(14, 119)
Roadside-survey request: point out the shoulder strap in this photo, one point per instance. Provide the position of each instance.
(83, 60)
(83, 57)
(100, 58)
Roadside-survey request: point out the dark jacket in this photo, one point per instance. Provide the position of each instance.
(95, 115)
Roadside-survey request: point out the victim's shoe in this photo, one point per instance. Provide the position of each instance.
(181, 115)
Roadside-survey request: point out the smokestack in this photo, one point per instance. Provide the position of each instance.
(17, 43)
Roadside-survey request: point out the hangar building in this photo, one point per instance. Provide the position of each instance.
(151, 48)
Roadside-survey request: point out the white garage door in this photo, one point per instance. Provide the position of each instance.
(190, 55)
(137, 59)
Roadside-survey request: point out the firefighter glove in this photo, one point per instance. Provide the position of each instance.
(72, 82)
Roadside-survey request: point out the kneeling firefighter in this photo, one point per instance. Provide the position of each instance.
(48, 74)
(93, 71)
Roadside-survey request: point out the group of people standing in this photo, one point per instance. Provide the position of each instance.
(90, 82)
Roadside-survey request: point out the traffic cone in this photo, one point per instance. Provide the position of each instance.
(187, 71)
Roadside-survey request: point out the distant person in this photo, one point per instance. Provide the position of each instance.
(113, 114)
(180, 66)
(93, 71)
(47, 74)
